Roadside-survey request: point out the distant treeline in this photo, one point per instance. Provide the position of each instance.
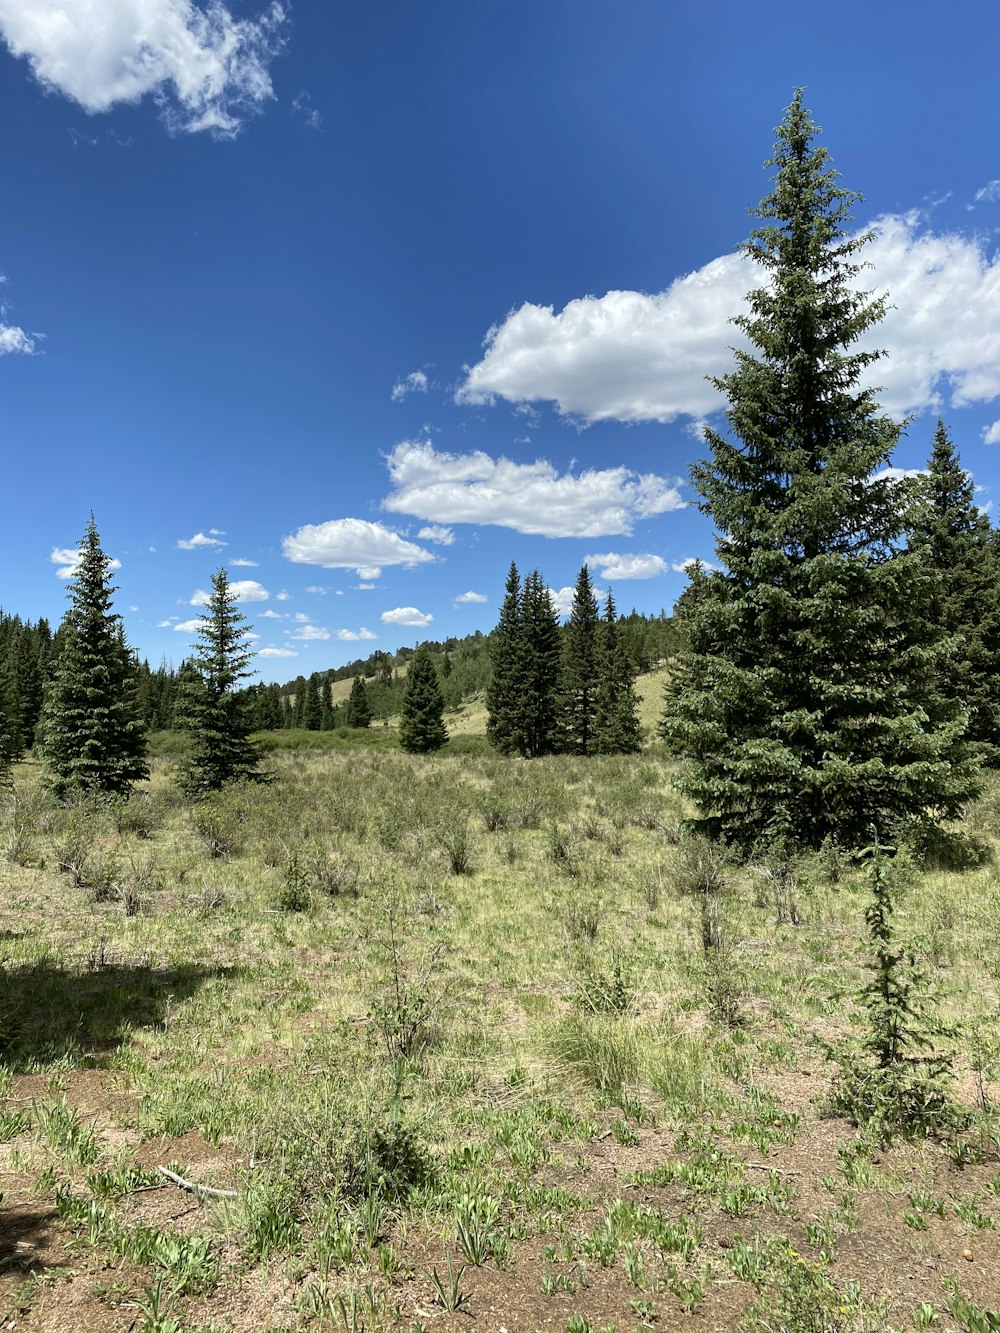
(29, 649)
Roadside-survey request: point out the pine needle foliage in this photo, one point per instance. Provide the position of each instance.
(93, 739)
(580, 669)
(616, 716)
(421, 721)
(960, 546)
(211, 707)
(808, 702)
(359, 711)
(505, 694)
(538, 729)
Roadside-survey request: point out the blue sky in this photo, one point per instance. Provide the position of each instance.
(365, 301)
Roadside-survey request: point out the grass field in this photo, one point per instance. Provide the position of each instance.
(448, 1033)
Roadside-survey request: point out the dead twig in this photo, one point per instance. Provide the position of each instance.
(205, 1191)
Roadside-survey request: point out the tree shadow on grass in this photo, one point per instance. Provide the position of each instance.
(50, 1013)
(23, 1240)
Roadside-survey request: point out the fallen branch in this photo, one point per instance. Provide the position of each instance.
(205, 1191)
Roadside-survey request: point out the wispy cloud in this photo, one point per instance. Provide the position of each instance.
(205, 69)
(415, 382)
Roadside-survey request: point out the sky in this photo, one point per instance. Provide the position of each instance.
(363, 302)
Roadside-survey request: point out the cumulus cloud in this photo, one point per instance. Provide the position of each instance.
(247, 564)
(201, 540)
(311, 633)
(244, 590)
(415, 382)
(317, 590)
(616, 567)
(898, 473)
(634, 356)
(991, 434)
(206, 69)
(270, 614)
(465, 598)
(684, 566)
(407, 615)
(436, 532)
(188, 626)
(166, 624)
(67, 561)
(528, 497)
(352, 543)
(271, 651)
(350, 634)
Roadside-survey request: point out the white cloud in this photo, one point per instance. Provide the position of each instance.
(166, 624)
(361, 587)
(281, 596)
(407, 615)
(271, 651)
(989, 194)
(362, 633)
(311, 633)
(199, 539)
(244, 590)
(632, 356)
(67, 561)
(899, 473)
(303, 107)
(316, 590)
(464, 598)
(435, 532)
(13, 339)
(528, 497)
(991, 434)
(352, 543)
(248, 564)
(301, 616)
(562, 599)
(206, 69)
(188, 626)
(415, 382)
(616, 567)
(684, 566)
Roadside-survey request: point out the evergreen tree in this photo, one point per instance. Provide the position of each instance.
(538, 710)
(211, 706)
(616, 716)
(359, 713)
(807, 703)
(505, 694)
(958, 543)
(93, 739)
(421, 724)
(580, 668)
(312, 709)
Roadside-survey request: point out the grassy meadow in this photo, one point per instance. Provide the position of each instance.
(465, 1043)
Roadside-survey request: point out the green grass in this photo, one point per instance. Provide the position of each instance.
(424, 1065)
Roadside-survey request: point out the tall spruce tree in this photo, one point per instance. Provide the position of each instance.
(580, 669)
(505, 694)
(616, 716)
(421, 720)
(808, 702)
(93, 738)
(312, 708)
(959, 544)
(359, 710)
(537, 715)
(211, 707)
